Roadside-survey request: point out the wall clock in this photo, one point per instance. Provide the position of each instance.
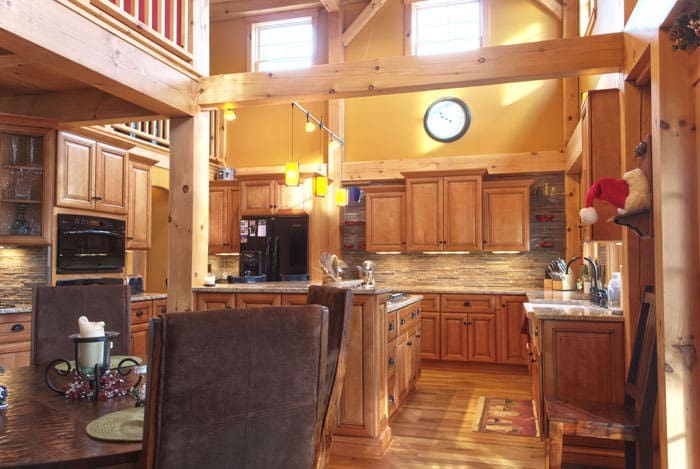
(447, 119)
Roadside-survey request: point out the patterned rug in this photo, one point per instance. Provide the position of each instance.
(507, 416)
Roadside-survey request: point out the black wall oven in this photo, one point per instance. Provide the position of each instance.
(89, 244)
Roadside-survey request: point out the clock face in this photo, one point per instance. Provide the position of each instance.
(447, 119)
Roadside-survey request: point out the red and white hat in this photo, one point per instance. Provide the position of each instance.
(629, 194)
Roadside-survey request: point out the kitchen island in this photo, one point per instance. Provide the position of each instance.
(383, 360)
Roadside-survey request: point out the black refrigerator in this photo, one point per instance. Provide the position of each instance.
(275, 247)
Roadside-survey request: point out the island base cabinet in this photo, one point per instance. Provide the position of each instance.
(15, 339)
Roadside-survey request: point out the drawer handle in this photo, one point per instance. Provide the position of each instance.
(403, 321)
(391, 398)
(409, 343)
(418, 336)
(468, 304)
(413, 315)
(391, 360)
(96, 197)
(163, 309)
(391, 326)
(139, 313)
(17, 328)
(467, 323)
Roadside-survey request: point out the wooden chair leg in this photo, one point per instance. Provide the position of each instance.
(554, 445)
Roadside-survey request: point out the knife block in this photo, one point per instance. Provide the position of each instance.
(569, 283)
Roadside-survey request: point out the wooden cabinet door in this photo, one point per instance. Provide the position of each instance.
(511, 342)
(75, 171)
(15, 339)
(402, 367)
(462, 213)
(453, 336)
(138, 220)
(251, 300)
(111, 179)
(506, 216)
(208, 301)
(293, 299)
(290, 200)
(430, 335)
(384, 230)
(424, 214)
(141, 312)
(258, 197)
(481, 337)
(224, 217)
(412, 357)
(601, 147)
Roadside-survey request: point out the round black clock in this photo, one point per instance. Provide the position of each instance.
(447, 119)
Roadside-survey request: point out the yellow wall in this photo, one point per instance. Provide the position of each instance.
(518, 117)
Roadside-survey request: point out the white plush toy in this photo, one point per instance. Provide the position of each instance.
(629, 194)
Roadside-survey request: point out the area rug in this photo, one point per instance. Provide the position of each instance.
(505, 416)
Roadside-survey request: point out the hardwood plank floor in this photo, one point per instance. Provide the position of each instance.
(433, 428)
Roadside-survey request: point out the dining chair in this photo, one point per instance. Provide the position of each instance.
(339, 303)
(632, 421)
(55, 313)
(235, 387)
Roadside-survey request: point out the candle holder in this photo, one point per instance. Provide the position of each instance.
(96, 381)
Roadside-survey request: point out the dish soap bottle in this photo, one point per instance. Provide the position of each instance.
(615, 291)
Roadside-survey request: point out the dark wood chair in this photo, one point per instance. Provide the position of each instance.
(236, 387)
(631, 422)
(55, 313)
(339, 304)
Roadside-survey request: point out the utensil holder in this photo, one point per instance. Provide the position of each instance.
(568, 283)
(548, 283)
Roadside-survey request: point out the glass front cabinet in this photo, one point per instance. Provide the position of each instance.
(25, 182)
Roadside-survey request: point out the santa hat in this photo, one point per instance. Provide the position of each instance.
(629, 194)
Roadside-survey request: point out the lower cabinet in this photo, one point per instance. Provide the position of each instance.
(403, 353)
(511, 340)
(15, 339)
(430, 324)
(141, 312)
(222, 300)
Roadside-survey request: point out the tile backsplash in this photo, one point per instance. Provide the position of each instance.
(22, 268)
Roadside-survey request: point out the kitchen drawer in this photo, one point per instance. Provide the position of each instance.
(430, 302)
(160, 307)
(141, 311)
(391, 326)
(468, 304)
(408, 316)
(391, 358)
(15, 327)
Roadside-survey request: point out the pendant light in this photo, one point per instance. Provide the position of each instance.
(309, 126)
(320, 186)
(291, 169)
(341, 197)
(229, 115)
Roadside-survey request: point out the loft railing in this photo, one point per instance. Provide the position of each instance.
(165, 23)
(155, 132)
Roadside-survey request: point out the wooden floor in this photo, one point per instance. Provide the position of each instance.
(433, 429)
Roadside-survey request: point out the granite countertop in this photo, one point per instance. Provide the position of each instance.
(145, 296)
(459, 289)
(280, 287)
(571, 312)
(28, 307)
(556, 296)
(402, 303)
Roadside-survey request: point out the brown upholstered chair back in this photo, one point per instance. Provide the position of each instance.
(235, 387)
(339, 303)
(55, 313)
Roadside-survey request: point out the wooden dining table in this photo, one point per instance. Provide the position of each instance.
(41, 428)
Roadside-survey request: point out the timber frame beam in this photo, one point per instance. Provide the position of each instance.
(486, 66)
(50, 33)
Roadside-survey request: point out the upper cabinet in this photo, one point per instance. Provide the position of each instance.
(270, 196)
(26, 156)
(138, 220)
(507, 215)
(384, 230)
(600, 133)
(224, 216)
(90, 175)
(443, 211)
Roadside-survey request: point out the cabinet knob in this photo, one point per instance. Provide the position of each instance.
(391, 326)
(139, 313)
(468, 304)
(418, 336)
(403, 321)
(467, 323)
(163, 309)
(391, 360)
(391, 398)
(413, 315)
(409, 343)
(17, 328)
(96, 197)
(129, 238)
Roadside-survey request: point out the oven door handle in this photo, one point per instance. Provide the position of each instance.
(98, 232)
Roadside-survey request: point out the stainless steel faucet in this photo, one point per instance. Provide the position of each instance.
(592, 264)
(598, 296)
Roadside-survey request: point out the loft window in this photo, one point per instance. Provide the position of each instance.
(445, 26)
(282, 44)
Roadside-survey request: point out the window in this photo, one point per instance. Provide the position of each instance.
(282, 44)
(445, 26)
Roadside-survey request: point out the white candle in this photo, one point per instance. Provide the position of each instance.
(90, 352)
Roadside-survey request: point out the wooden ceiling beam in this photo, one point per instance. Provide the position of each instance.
(51, 34)
(332, 5)
(487, 66)
(227, 10)
(551, 6)
(12, 60)
(76, 108)
(361, 21)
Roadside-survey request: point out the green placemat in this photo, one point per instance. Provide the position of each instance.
(123, 425)
(113, 362)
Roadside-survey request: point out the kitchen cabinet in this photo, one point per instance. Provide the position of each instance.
(90, 175)
(251, 300)
(468, 328)
(220, 300)
(507, 215)
(15, 339)
(141, 312)
(601, 157)
(403, 328)
(273, 197)
(215, 300)
(138, 220)
(443, 211)
(26, 156)
(224, 217)
(511, 342)
(384, 208)
(430, 327)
